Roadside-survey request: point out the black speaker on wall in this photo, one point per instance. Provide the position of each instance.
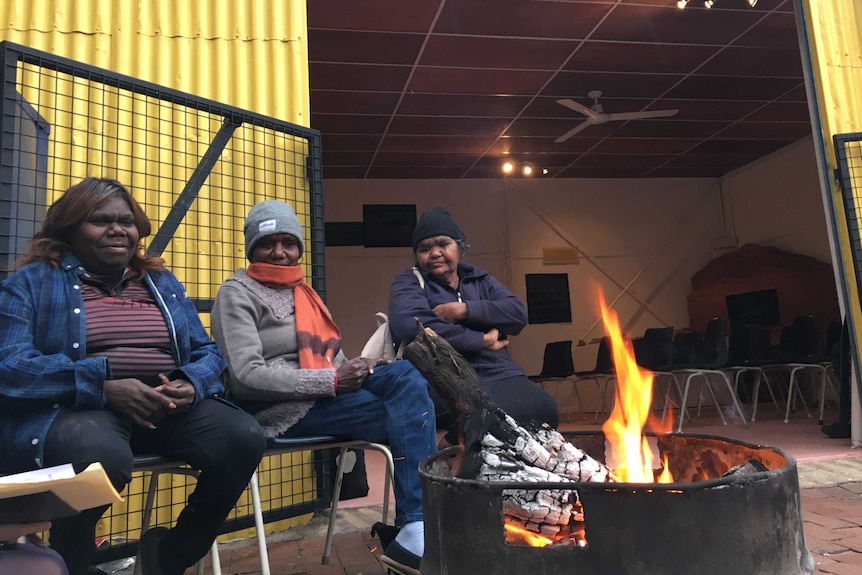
(388, 225)
(548, 298)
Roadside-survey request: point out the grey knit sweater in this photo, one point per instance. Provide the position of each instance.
(255, 327)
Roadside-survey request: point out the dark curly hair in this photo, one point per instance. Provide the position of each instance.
(74, 208)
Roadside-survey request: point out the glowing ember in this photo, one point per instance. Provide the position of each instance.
(631, 412)
(517, 534)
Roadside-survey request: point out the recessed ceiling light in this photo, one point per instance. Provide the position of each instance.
(508, 167)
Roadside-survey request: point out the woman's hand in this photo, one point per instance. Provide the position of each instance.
(182, 393)
(453, 312)
(10, 532)
(353, 372)
(136, 400)
(491, 340)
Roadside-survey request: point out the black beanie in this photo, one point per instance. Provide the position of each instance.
(436, 222)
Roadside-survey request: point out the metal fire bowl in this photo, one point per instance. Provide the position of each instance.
(734, 525)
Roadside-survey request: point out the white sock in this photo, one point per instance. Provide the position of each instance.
(412, 537)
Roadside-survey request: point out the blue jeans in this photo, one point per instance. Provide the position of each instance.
(392, 407)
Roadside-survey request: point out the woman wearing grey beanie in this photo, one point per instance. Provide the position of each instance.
(286, 366)
(471, 310)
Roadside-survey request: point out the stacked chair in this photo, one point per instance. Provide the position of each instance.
(601, 374)
(802, 350)
(558, 367)
(698, 358)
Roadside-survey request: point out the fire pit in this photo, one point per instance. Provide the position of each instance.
(704, 522)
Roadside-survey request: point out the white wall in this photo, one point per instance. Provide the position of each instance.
(652, 234)
(644, 237)
(777, 202)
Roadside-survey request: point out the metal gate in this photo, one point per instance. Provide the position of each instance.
(196, 166)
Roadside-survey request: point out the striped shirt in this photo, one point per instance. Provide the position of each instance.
(125, 325)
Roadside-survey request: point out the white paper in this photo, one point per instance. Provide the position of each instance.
(65, 471)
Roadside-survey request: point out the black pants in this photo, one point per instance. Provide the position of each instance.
(521, 398)
(215, 437)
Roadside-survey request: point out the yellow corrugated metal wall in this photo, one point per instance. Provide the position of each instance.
(834, 50)
(251, 54)
(247, 53)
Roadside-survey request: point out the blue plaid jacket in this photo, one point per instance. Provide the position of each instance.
(43, 353)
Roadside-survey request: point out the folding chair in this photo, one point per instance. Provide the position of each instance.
(712, 360)
(558, 367)
(288, 445)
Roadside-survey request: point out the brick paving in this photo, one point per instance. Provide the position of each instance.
(831, 497)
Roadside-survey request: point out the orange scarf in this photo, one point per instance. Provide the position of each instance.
(317, 336)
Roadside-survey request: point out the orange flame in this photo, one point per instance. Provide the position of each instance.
(631, 412)
(517, 534)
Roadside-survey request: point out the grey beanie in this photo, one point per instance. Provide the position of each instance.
(268, 218)
(436, 222)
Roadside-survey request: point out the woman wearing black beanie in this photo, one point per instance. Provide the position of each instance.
(472, 311)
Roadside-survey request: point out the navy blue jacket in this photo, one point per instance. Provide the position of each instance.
(489, 305)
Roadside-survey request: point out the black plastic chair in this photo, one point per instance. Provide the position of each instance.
(749, 352)
(801, 350)
(654, 351)
(557, 367)
(711, 359)
(600, 374)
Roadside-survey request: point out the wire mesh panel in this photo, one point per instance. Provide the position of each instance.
(848, 148)
(196, 166)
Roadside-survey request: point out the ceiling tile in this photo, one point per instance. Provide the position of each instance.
(781, 111)
(761, 6)
(775, 30)
(553, 128)
(727, 88)
(628, 161)
(473, 81)
(613, 84)
(452, 143)
(366, 47)
(423, 159)
(414, 104)
(335, 102)
(734, 61)
(645, 145)
(516, 146)
(519, 18)
(383, 15)
(348, 142)
(359, 77)
(767, 130)
(797, 94)
(343, 172)
(730, 161)
(536, 161)
(728, 146)
(669, 24)
(639, 57)
(416, 173)
(447, 126)
(547, 106)
(494, 172)
(347, 158)
(348, 124)
(729, 110)
(502, 53)
(664, 128)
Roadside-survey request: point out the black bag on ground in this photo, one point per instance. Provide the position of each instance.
(355, 483)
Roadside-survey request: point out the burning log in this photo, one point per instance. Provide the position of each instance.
(496, 448)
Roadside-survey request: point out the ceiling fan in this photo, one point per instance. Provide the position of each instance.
(596, 115)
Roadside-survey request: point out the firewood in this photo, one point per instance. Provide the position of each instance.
(488, 431)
